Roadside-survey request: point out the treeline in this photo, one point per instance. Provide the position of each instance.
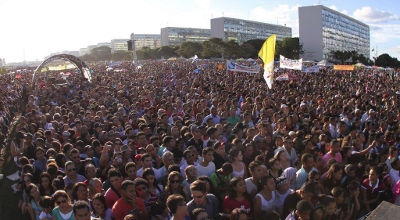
(217, 48)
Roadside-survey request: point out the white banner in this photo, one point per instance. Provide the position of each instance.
(311, 69)
(233, 66)
(290, 64)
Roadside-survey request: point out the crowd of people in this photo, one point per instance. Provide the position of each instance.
(161, 142)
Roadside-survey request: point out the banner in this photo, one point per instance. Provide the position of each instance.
(233, 66)
(267, 53)
(343, 67)
(311, 69)
(289, 63)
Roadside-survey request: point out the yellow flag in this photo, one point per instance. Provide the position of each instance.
(267, 54)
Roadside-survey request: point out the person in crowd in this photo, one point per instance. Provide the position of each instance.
(47, 205)
(100, 209)
(239, 214)
(220, 180)
(177, 206)
(207, 166)
(237, 196)
(256, 172)
(265, 201)
(81, 210)
(129, 203)
(63, 207)
(114, 192)
(175, 186)
(203, 200)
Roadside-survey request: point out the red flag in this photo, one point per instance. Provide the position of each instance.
(18, 76)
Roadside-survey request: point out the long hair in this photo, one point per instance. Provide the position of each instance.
(232, 184)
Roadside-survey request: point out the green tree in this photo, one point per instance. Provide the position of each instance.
(250, 48)
(232, 49)
(213, 48)
(289, 48)
(385, 60)
(122, 55)
(146, 53)
(341, 56)
(167, 52)
(101, 53)
(189, 49)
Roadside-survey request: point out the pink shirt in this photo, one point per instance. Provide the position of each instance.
(328, 156)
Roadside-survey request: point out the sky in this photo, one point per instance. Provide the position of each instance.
(31, 30)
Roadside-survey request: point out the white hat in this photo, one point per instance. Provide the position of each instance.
(283, 106)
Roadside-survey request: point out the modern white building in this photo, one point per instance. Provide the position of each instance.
(323, 30)
(119, 45)
(174, 36)
(151, 41)
(243, 30)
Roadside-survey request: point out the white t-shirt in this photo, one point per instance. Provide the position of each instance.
(205, 171)
(250, 186)
(45, 215)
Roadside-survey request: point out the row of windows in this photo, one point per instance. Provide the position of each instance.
(344, 24)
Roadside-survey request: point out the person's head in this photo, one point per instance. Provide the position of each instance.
(142, 187)
(335, 146)
(99, 204)
(90, 171)
(328, 204)
(256, 170)
(338, 193)
(304, 209)
(74, 156)
(267, 183)
(190, 172)
(33, 191)
(115, 178)
(290, 174)
(147, 160)
(174, 179)
(81, 210)
(128, 190)
(237, 186)
(208, 154)
(168, 158)
(335, 172)
(70, 169)
(130, 170)
(95, 186)
(45, 180)
(198, 189)
(80, 191)
(200, 214)
(176, 205)
(308, 161)
(235, 155)
(61, 199)
(238, 214)
(395, 163)
(373, 174)
(308, 191)
(274, 164)
(40, 154)
(47, 204)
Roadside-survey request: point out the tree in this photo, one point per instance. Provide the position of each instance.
(289, 48)
(213, 48)
(167, 52)
(232, 49)
(122, 55)
(146, 53)
(342, 56)
(250, 48)
(189, 49)
(385, 60)
(101, 53)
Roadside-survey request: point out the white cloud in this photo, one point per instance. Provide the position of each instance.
(282, 15)
(205, 4)
(334, 7)
(369, 15)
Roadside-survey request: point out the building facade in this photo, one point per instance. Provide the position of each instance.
(244, 30)
(323, 30)
(119, 45)
(151, 41)
(174, 36)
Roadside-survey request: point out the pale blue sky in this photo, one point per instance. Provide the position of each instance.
(32, 30)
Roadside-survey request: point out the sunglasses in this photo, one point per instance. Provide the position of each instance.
(61, 202)
(175, 181)
(70, 170)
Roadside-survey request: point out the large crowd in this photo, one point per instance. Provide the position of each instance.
(162, 141)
